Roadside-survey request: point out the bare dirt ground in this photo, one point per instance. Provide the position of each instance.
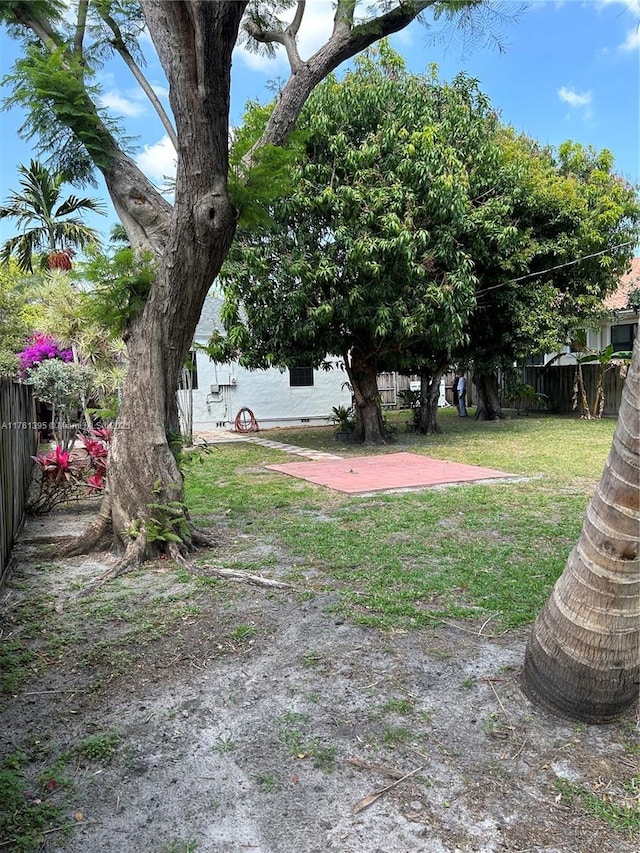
(252, 720)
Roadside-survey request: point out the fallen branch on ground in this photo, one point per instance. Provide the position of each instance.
(207, 571)
(371, 798)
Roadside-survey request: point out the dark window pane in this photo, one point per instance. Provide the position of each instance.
(299, 376)
(622, 337)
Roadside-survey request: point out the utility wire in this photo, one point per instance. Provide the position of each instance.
(552, 269)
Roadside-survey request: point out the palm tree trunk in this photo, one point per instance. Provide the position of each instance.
(582, 656)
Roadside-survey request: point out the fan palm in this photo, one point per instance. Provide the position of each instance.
(48, 224)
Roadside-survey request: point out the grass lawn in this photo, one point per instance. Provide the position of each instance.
(402, 560)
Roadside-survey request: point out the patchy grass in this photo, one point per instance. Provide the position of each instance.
(620, 807)
(301, 745)
(101, 746)
(404, 560)
(31, 807)
(16, 664)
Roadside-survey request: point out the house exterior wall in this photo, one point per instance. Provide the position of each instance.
(597, 339)
(224, 389)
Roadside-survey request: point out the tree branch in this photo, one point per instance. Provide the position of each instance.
(283, 37)
(343, 18)
(119, 45)
(346, 41)
(42, 29)
(81, 26)
(144, 213)
(294, 26)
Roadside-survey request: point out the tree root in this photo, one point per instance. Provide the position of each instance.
(132, 559)
(135, 555)
(201, 539)
(209, 571)
(242, 577)
(98, 530)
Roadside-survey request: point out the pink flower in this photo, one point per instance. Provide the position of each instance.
(39, 348)
(95, 483)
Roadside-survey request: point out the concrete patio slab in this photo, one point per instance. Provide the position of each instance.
(386, 472)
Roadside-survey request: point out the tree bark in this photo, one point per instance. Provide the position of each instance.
(429, 396)
(194, 42)
(362, 371)
(489, 408)
(580, 394)
(582, 656)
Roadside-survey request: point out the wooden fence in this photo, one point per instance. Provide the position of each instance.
(18, 443)
(557, 383)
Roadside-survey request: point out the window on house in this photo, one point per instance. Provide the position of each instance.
(622, 337)
(189, 374)
(300, 376)
(536, 360)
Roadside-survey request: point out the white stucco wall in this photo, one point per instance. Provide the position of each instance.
(223, 389)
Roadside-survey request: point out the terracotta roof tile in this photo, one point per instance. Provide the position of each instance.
(629, 281)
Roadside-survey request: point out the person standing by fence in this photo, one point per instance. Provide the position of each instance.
(461, 388)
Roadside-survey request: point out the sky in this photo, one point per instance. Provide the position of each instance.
(566, 70)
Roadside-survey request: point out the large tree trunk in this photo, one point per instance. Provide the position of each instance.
(429, 396)
(582, 657)
(363, 376)
(144, 483)
(489, 408)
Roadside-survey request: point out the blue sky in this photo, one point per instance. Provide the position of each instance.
(569, 70)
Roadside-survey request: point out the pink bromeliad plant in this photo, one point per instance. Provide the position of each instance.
(66, 475)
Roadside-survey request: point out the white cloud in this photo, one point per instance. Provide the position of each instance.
(129, 107)
(576, 100)
(158, 161)
(161, 90)
(632, 41)
(632, 6)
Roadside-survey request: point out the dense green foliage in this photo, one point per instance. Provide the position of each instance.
(578, 223)
(420, 231)
(373, 247)
(120, 283)
(16, 317)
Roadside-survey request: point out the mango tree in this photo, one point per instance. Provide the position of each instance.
(578, 223)
(370, 257)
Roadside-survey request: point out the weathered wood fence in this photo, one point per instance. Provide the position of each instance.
(557, 383)
(18, 443)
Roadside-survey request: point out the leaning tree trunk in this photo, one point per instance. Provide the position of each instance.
(489, 408)
(145, 486)
(363, 376)
(429, 396)
(582, 656)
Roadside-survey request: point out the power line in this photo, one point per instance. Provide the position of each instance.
(552, 269)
